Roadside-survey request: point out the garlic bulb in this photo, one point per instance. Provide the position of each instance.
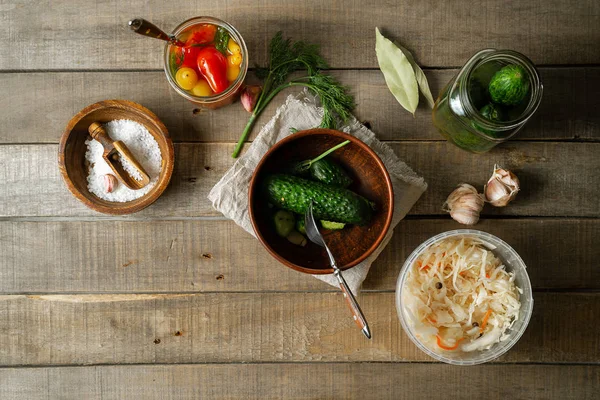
(464, 204)
(502, 187)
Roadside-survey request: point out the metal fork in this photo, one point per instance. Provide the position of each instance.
(312, 231)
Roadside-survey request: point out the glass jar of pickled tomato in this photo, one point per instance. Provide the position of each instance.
(210, 68)
(489, 100)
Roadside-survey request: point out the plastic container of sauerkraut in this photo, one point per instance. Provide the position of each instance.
(512, 262)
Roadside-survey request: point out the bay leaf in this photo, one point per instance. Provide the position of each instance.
(398, 72)
(419, 75)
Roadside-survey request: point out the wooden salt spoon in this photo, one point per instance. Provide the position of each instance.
(112, 151)
(147, 28)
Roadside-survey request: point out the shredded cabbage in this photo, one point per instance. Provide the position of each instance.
(458, 296)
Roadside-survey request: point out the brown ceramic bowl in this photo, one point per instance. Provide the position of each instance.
(72, 148)
(350, 245)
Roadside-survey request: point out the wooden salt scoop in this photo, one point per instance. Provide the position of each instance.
(112, 151)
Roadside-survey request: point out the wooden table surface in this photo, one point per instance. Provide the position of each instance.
(176, 302)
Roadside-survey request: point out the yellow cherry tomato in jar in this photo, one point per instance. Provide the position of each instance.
(202, 89)
(233, 47)
(234, 59)
(186, 78)
(232, 72)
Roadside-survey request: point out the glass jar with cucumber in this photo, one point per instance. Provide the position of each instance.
(493, 95)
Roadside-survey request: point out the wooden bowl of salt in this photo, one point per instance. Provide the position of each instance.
(144, 134)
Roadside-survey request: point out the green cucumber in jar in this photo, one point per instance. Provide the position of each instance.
(509, 86)
(330, 203)
(330, 173)
(493, 113)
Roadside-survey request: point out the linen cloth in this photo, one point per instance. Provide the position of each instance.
(230, 195)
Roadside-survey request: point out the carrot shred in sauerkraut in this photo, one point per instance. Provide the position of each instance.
(443, 346)
(465, 298)
(485, 320)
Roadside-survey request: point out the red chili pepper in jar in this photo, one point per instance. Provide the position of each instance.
(190, 57)
(202, 34)
(198, 38)
(213, 66)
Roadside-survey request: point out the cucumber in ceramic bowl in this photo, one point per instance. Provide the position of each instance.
(301, 225)
(329, 172)
(332, 225)
(284, 222)
(330, 203)
(509, 86)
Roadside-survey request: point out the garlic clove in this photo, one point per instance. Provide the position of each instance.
(464, 204)
(250, 96)
(502, 187)
(110, 183)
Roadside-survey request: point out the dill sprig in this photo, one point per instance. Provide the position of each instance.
(286, 57)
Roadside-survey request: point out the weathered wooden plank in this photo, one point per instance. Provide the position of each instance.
(37, 35)
(184, 256)
(258, 327)
(567, 111)
(557, 179)
(301, 381)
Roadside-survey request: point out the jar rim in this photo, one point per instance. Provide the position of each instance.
(234, 86)
(515, 58)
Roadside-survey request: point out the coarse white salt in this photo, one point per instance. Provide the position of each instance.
(144, 148)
